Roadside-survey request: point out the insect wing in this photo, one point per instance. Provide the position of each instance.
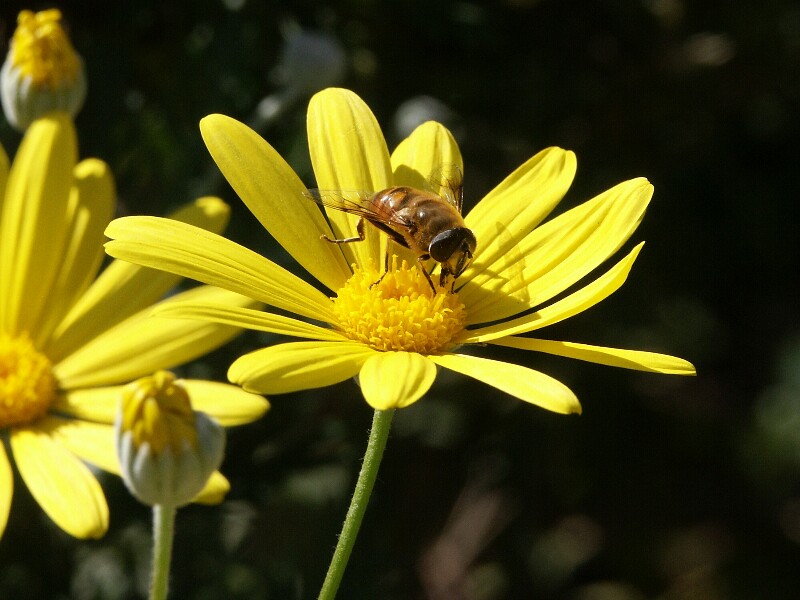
(448, 183)
(347, 201)
(361, 204)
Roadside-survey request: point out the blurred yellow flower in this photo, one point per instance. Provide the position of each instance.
(378, 330)
(68, 340)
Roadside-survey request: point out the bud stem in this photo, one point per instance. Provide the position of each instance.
(163, 531)
(381, 424)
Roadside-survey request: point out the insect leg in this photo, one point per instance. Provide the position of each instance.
(385, 269)
(356, 238)
(421, 260)
(443, 277)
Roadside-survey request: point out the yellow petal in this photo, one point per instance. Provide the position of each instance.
(428, 159)
(228, 404)
(191, 252)
(557, 254)
(348, 152)
(395, 379)
(123, 289)
(92, 442)
(97, 404)
(6, 485)
(521, 382)
(298, 366)
(247, 318)
(3, 176)
(215, 490)
(586, 297)
(143, 344)
(33, 224)
(515, 207)
(91, 206)
(274, 194)
(62, 485)
(613, 357)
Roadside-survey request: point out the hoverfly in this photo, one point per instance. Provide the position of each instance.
(428, 224)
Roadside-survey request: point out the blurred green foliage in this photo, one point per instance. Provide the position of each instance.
(665, 488)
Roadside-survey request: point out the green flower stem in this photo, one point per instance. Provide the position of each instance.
(163, 530)
(381, 423)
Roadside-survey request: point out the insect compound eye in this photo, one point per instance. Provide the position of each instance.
(448, 242)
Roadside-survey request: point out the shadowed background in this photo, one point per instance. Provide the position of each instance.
(665, 487)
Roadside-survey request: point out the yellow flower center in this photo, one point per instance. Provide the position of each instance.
(399, 312)
(27, 385)
(157, 410)
(41, 50)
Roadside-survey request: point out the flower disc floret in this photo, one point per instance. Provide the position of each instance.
(397, 311)
(27, 384)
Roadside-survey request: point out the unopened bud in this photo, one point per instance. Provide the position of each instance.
(167, 451)
(42, 72)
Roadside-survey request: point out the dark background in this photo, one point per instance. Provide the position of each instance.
(666, 487)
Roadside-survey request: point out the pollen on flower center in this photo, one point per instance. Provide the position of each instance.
(27, 384)
(399, 312)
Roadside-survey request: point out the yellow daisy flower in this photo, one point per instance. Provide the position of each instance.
(70, 341)
(519, 281)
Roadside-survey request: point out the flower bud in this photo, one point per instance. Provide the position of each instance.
(42, 72)
(167, 451)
